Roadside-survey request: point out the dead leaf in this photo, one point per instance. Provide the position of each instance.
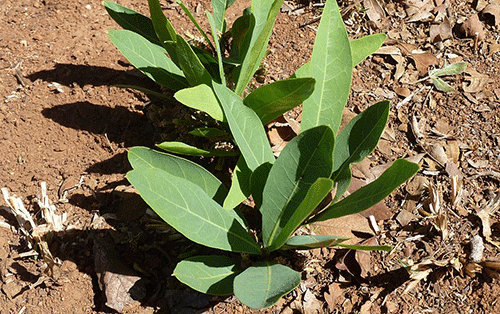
(362, 170)
(363, 257)
(385, 147)
(478, 164)
(419, 10)
(493, 48)
(477, 81)
(423, 60)
(484, 214)
(121, 286)
(436, 151)
(374, 11)
(402, 91)
(441, 31)
(423, 269)
(473, 28)
(346, 226)
(417, 185)
(311, 305)
(404, 217)
(491, 14)
(334, 296)
(379, 210)
(481, 4)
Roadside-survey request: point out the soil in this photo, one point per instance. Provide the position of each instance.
(64, 122)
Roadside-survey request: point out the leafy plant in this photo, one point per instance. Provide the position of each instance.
(287, 190)
(448, 69)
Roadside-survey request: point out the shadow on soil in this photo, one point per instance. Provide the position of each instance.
(82, 75)
(119, 124)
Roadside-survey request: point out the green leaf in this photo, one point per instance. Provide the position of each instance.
(191, 65)
(265, 12)
(264, 283)
(258, 180)
(306, 242)
(272, 100)
(149, 59)
(219, 7)
(195, 22)
(366, 247)
(356, 141)
(241, 33)
(185, 149)
(245, 125)
(164, 29)
(240, 186)
(146, 158)
(369, 195)
(211, 274)
(441, 85)
(201, 98)
(187, 208)
(331, 66)
(209, 132)
(316, 193)
(215, 36)
(450, 69)
(161, 24)
(365, 46)
(304, 159)
(132, 21)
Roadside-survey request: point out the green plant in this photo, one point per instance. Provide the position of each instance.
(287, 191)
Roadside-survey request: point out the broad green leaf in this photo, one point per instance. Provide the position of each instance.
(441, 85)
(132, 21)
(306, 242)
(215, 36)
(219, 7)
(331, 66)
(369, 195)
(450, 69)
(272, 100)
(187, 208)
(240, 185)
(241, 33)
(149, 58)
(258, 180)
(356, 141)
(190, 64)
(360, 247)
(211, 274)
(265, 12)
(185, 149)
(143, 157)
(365, 46)
(201, 98)
(209, 132)
(264, 283)
(316, 193)
(195, 22)
(161, 24)
(304, 159)
(164, 29)
(245, 125)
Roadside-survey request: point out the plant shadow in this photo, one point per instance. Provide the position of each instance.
(69, 74)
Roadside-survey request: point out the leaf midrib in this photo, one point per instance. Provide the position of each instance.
(253, 244)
